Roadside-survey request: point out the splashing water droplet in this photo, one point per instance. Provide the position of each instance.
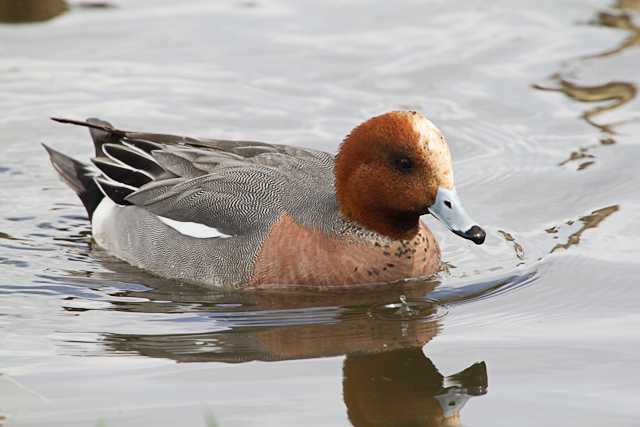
(407, 309)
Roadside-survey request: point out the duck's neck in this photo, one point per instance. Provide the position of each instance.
(396, 226)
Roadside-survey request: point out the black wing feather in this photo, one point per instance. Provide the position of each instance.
(133, 158)
(122, 174)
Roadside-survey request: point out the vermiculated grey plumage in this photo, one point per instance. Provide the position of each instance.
(237, 187)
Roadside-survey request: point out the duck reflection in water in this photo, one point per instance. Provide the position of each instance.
(404, 388)
(387, 379)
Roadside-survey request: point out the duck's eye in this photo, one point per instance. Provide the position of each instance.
(404, 165)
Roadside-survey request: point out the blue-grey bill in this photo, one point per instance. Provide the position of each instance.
(449, 210)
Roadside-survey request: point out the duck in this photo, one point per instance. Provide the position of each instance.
(251, 215)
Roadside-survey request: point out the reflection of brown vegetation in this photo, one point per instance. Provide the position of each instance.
(621, 21)
(589, 221)
(517, 247)
(584, 165)
(619, 93)
(15, 11)
(582, 153)
(628, 4)
(404, 388)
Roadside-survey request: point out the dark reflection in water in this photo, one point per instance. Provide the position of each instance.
(16, 11)
(588, 222)
(7, 236)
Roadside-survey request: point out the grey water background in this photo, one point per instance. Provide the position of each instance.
(538, 101)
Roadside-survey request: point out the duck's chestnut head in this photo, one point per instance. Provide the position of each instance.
(392, 169)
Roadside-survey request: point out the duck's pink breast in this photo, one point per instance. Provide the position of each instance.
(295, 255)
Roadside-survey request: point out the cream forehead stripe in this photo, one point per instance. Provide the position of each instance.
(436, 149)
(429, 133)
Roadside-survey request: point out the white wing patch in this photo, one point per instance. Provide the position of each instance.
(193, 229)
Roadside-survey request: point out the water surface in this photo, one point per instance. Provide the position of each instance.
(539, 326)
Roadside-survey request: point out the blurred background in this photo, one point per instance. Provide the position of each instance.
(540, 326)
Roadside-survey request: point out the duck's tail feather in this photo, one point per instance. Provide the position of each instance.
(101, 132)
(78, 176)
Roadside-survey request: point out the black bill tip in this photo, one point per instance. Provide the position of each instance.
(475, 234)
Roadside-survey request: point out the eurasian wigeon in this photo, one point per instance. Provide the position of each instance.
(251, 214)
